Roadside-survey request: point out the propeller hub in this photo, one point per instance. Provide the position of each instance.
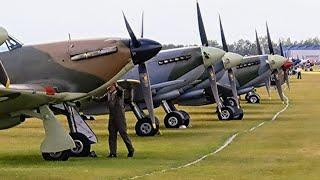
(231, 60)
(287, 65)
(211, 55)
(3, 35)
(147, 50)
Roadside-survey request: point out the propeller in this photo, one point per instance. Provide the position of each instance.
(202, 31)
(142, 24)
(268, 87)
(4, 78)
(231, 75)
(3, 35)
(210, 69)
(276, 71)
(259, 51)
(278, 85)
(269, 41)
(258, 45)
(141, 51)
(285, 67)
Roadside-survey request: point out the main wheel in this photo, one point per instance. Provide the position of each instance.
(186, 117)
(174, 119)
(82, 143)
(253, 99)
(57, 156)
(144, 127)
(240, 116)
(227, 113)
(230, 102)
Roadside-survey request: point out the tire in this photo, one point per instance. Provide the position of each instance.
(240, 116)
(58, 156)
(174, 119)
(186, 117)
(87, 118)
(230, 102)
(82, 143)
(227, 113)
(246, 97)
(253, 99)
(144, 127)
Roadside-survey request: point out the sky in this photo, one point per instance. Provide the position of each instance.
(166, 21)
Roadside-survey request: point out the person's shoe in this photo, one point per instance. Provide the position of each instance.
(130, 154)
(112, 156)
(93, 154)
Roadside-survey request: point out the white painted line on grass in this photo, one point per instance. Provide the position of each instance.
(225, 144)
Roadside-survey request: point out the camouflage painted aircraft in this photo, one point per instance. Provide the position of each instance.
(171, 73)
(253, 72)
(46, 76)
(276, 78)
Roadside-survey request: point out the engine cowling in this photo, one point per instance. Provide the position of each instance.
(231, 60)
(3, 35)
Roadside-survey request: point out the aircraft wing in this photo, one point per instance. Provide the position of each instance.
(23, 97)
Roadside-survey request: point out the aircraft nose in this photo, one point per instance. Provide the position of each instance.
(287, 65)
(3, 35)
(276, 61)
(148, 49)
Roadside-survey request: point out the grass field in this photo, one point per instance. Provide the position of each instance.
(288, 148)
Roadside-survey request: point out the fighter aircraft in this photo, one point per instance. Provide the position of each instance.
(275, 78)
(172, 71)
(52, 78)
(253, 72)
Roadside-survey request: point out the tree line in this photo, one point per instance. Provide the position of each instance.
(247, 47)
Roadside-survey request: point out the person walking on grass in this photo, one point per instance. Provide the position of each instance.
(299, 69)
(117, 120)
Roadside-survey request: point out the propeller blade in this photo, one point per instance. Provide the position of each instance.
(4, 78)
(233, 86)
(202, 31)
(281, 49)
(134, 40)
(279, 87)
(269, 41)
(258, 45)
(142, 25)
(223, 38)
(146, 89)
(268, 87)
(214, 87)
(286, 78)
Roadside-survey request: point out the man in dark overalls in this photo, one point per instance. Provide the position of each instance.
(117, 119)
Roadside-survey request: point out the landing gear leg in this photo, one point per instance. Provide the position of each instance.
(57, 143)
(80, 131)
(174, 118)
(144, 125)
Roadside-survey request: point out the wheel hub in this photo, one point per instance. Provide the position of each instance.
(253, 99)
(146, 128)
(55, 154)
(173, 121)
(79, 147)
(225, 114)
